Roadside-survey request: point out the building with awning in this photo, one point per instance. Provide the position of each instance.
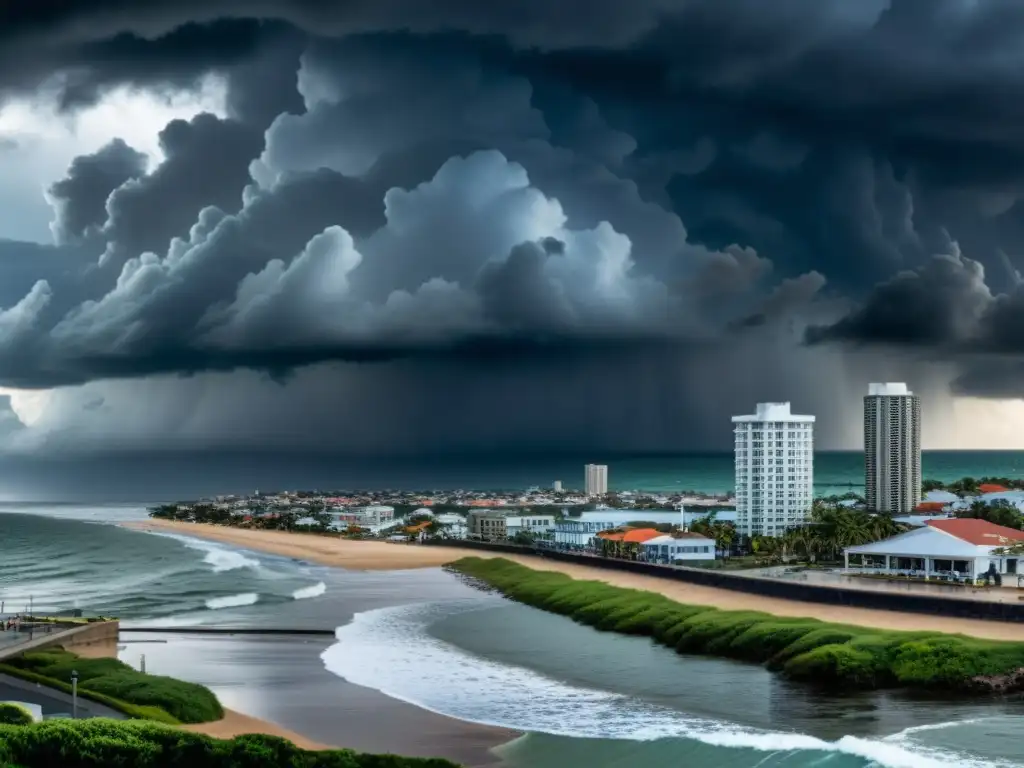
(956, 549)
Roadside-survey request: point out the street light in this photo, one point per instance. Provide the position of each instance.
(74, 694)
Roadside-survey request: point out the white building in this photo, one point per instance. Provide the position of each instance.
(774, 469)
(376, 514)
(557, 488)
(679, 548)
(963, 549)
(596, 479)
(892, 448)
(538, 525)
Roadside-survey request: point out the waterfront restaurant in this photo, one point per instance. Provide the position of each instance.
(952, 550)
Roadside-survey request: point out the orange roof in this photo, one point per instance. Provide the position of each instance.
(640, 535)
(930, 506)
(992, 488)
(978, 532)
(611, 535)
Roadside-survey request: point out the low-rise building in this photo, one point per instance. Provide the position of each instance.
(679, 548)
(961, 549)
(538, 525)
(375, 514)
(487, 524)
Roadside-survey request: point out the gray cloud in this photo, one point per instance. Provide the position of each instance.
(79, 199)
(499, 206)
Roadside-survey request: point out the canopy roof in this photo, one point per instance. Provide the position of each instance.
(921, 542)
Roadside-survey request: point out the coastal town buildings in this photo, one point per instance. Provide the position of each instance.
(774, 461)
(596, 479)
(892, 448)
(680, 547)
(961, 549)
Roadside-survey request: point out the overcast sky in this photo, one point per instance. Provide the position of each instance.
(408, 228)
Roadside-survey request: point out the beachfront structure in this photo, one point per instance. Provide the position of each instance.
(538, 525)
(579, 534)
(774, 469)
(487, 524)
(374, 514)
(681, 547)
(892, 448)
(962, 549)
(596, 479)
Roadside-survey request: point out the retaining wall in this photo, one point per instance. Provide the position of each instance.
(963, 608)
(94, 639)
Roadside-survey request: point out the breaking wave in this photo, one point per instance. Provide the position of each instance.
(232, 601)
(389, 650)
(306, 592)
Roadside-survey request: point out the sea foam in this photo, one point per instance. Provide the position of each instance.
(220, 559)
(304, 593)
(232, 601)
(389, 650)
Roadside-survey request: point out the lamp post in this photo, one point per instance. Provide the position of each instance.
(74, 694)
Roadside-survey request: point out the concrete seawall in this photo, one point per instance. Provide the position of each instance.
(95, 639)
(935, 605)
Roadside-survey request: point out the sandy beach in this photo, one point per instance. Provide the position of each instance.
(324, 550)
(375, 555)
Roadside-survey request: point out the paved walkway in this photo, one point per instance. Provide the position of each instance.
(52, 701)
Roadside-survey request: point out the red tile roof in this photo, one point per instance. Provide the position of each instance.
(992, 488)
(979, 532)
(930, 506)
(640, 535)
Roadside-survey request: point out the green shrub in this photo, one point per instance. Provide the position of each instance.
(15, 714)
(99, 743)
(114, 683)
(800, 648)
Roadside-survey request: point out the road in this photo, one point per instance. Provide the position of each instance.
(53, 702)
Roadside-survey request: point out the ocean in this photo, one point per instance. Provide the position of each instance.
(580, 697)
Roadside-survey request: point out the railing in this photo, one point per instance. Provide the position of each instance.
(908, 573)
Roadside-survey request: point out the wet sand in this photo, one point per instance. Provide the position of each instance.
(383, 556)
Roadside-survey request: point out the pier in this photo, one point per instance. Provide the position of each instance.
(227, 631)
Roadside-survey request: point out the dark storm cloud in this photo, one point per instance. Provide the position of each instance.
(488, 203)
(79, 200)
(206, 164)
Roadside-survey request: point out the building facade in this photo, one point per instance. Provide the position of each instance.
(774, 469)
(892, 448)
(596, 479)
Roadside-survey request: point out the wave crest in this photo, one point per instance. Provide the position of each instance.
(304, 593)
(232, 601)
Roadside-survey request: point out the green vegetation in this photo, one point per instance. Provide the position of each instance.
(800, 648)
(100, 743)
(118, 686)
(15, 714)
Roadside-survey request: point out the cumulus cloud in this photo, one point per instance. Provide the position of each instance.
(473, 201)
(79, 199)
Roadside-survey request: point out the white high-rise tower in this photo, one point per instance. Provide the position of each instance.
(774, 470)
(596, 479)
(892, 448)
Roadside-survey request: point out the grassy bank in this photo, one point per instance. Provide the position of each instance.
(804, 649)
(101, 743)
(118, 686)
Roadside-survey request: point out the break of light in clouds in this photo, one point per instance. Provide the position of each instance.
(434, 228)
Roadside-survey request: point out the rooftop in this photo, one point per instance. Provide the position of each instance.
(888, 389)
(978, 532)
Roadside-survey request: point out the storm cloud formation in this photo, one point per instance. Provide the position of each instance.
(635, 202)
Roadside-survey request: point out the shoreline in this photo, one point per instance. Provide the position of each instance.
(315, 548)
(375, 555)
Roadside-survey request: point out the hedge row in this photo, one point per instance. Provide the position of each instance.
(101, 743)
(14, 714)
(805, 649)
(116, 685)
